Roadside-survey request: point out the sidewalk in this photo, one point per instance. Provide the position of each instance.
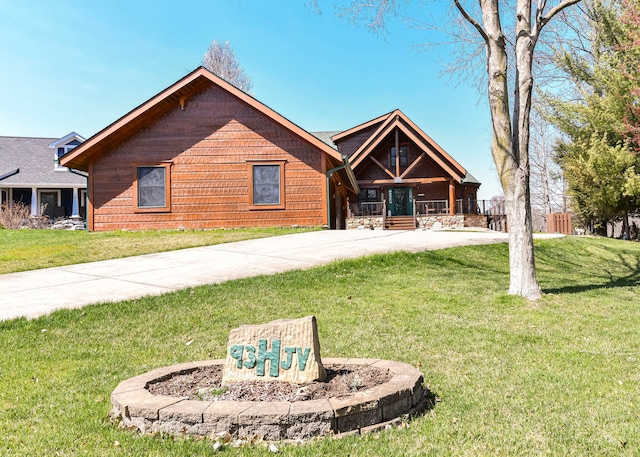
(35, 293)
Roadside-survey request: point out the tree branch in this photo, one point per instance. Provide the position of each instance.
(542, 20)
(471, 21)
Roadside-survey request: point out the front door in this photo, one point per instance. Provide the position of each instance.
(400, 201)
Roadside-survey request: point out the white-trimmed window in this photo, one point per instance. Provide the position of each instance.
(62, 150)
(49, 201)
(266, 184)
(152, 187)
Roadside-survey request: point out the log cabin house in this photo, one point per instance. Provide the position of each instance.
(406, 179)
(204, 154)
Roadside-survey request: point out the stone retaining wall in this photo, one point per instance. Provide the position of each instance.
(425, 222)
(365, 222)
(360, 412)
(475, 220)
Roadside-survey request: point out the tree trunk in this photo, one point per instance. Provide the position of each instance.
(522, 260)
(510, 149)
(522, 270)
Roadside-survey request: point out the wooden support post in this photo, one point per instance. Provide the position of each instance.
(397, 164)
(452, 198)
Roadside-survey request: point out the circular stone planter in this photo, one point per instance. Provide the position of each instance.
(360, 412)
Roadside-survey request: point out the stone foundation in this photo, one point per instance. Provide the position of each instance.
(424, 222)
(365, 223)
(360, 412)
(440, 221)
(475, 220)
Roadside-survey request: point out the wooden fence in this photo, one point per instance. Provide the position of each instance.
(559, 223)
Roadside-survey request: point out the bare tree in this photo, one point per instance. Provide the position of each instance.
(220, 59)
(491, 21)
(548, 189)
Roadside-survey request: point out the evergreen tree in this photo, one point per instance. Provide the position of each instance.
(596, 156)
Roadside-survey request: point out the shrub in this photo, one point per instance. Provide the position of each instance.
(18, 215)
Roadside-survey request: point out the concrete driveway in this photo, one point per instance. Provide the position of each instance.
(35, 293)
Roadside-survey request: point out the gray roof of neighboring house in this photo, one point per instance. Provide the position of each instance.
(35, 160)
(325, 137)
(470, 179)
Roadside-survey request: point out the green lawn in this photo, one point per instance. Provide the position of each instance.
(32, 249)
(559, 376)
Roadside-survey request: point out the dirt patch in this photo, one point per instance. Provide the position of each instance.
(204, 383)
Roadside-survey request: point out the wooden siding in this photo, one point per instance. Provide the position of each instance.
(209, 144)
(351, 144)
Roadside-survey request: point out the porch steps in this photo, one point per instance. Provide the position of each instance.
(399, 223)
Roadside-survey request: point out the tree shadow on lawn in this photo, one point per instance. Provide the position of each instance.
(609, 279)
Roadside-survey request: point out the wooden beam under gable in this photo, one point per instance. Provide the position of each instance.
(385, 169)
(414, 164)
(397, 119)
(404, 181)
(454, 173)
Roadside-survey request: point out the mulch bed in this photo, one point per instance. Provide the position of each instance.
(204, 383)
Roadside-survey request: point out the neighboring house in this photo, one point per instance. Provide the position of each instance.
(30, 174)
(204, 154)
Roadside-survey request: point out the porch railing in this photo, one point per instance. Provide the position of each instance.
(429, 207)
(367, 209)
(485, 207)
(432, 207)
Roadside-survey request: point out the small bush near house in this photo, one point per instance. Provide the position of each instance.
(18, 215)
(14, 216)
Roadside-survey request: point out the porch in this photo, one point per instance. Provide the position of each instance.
(428, 215)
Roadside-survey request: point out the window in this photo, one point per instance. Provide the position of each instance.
(83, 197)
(368, 195)
(404, 161)
(267, 185)
(152, 185)
(62, 150)
(50, 203)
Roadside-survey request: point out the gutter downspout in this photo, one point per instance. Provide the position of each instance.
(86, 194)
(345, 164)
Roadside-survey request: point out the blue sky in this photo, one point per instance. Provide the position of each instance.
(78, 65)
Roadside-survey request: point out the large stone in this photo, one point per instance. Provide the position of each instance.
(286, 350)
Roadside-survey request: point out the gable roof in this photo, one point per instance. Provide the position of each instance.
(171, 98)
(30, 162)
(386, 124)
(66, 139)
(340, 136)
